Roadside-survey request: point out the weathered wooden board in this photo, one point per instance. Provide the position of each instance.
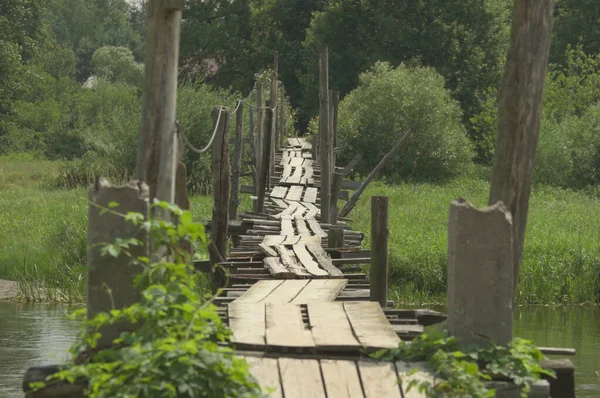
(320, 290)
(267, 250)
(310, 195)
(266, 372)
(297, 161)
(295, 193)
(341, 379)
(287, 212)
(272, 240)
(280, 203)
(258, 291)
(313, 211)
(307, 178)
(278, 192)
(287, 291)
(288, 259)
(277, 270)
(301, 378)
(294, 178)
(404, 369)
(307, 261)
(370, 325)
(247, 322)
(287, 227)
(285, 327)
(324, 260)
(316, 228)
(301, 226)
(330, 327)
(299, 211)
(379, 379)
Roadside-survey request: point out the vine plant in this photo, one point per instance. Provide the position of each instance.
(462, 372)
(178, 349)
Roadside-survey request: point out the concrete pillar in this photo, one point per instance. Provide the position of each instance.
(480, 273)
(110, 279)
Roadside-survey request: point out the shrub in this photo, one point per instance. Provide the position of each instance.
(388, 101)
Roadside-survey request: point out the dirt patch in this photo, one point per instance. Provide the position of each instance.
(8, 289)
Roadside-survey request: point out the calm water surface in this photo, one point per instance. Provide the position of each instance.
(38, 334)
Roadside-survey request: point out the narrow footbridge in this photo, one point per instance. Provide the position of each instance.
(299, 308)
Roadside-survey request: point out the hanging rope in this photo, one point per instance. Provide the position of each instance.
(196, 150)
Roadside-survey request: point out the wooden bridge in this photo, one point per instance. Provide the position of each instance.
(299, 306)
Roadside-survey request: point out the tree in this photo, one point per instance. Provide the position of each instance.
(118, 65)
(576, 22)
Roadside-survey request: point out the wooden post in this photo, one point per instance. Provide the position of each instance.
(264, 167)
(274, 91)
(282, 131)
(352, 202)
(157, 147)
(335, 237)
(237, 161)
(253, 153)
(379, 250)
(519, 114)
(334, 118)
(325, 149)
(259, 124)
(221, 175)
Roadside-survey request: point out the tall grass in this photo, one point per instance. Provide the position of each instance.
(561, 262)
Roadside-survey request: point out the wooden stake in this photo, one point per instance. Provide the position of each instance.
(157, 146)
(274, 90)
(237, 161)
(221, 175)
(264, 167)
(379, 249)
(259, 124)
(252, 152)
(519, 114)
(325, 149)
(282, 132)
(352, 202)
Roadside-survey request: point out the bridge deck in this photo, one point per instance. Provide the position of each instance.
(299, 311)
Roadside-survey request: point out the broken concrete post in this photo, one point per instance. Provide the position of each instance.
(110, 279)
(480, 273)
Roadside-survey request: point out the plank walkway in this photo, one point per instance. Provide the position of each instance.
(299, 311)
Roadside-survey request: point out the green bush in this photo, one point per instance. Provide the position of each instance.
(388, 101)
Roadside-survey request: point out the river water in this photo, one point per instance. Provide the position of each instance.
(40, 334)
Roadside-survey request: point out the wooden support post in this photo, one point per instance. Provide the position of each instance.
(264, 167)
(221, 182)
(335, 237)
(282, 129)
(237, 160)
(314, 141)
(519, 114)
(157, 146)
(335, 192)
(110, 280)
(259, 124)
(253, 153)
(352, 202)
(379, 250)
(274, 90)
(325, 150)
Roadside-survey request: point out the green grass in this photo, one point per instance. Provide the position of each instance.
(562, 245)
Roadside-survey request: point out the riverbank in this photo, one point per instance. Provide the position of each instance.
(43, 237)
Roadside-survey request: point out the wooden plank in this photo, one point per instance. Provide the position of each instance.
(278, 192)
(320, 290)
(266, 372)
(259, 291)
(289, 261)
(279, 202)
(307, 261)
(313, 211)
(423, 374)
(288, 212)
(287, 228)
(324, 260)
(301, 378)
(272, 240)
(297, 161)
(308, 240)
(307, 178)
(316, 228)
(247, 322)
(287, 291)
(294, 178)
(267, 250)
(310, 195)
(341, 379)
(276, 269)
(285, 327)
(379, 379)
(299, 211)
(330, 327)
(370, 325)
(287, 171)
(291, 240)
(295, 193)
(301, 226)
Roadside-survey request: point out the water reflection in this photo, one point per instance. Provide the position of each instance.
(38, 334)
(30, 335)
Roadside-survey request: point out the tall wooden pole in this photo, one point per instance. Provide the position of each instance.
(237, 162)
(519, 114)
(259, 124)
(324, 135)
(264, 168)
(274, 90)
(281, 129)
(157, 145)
(379, 249)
